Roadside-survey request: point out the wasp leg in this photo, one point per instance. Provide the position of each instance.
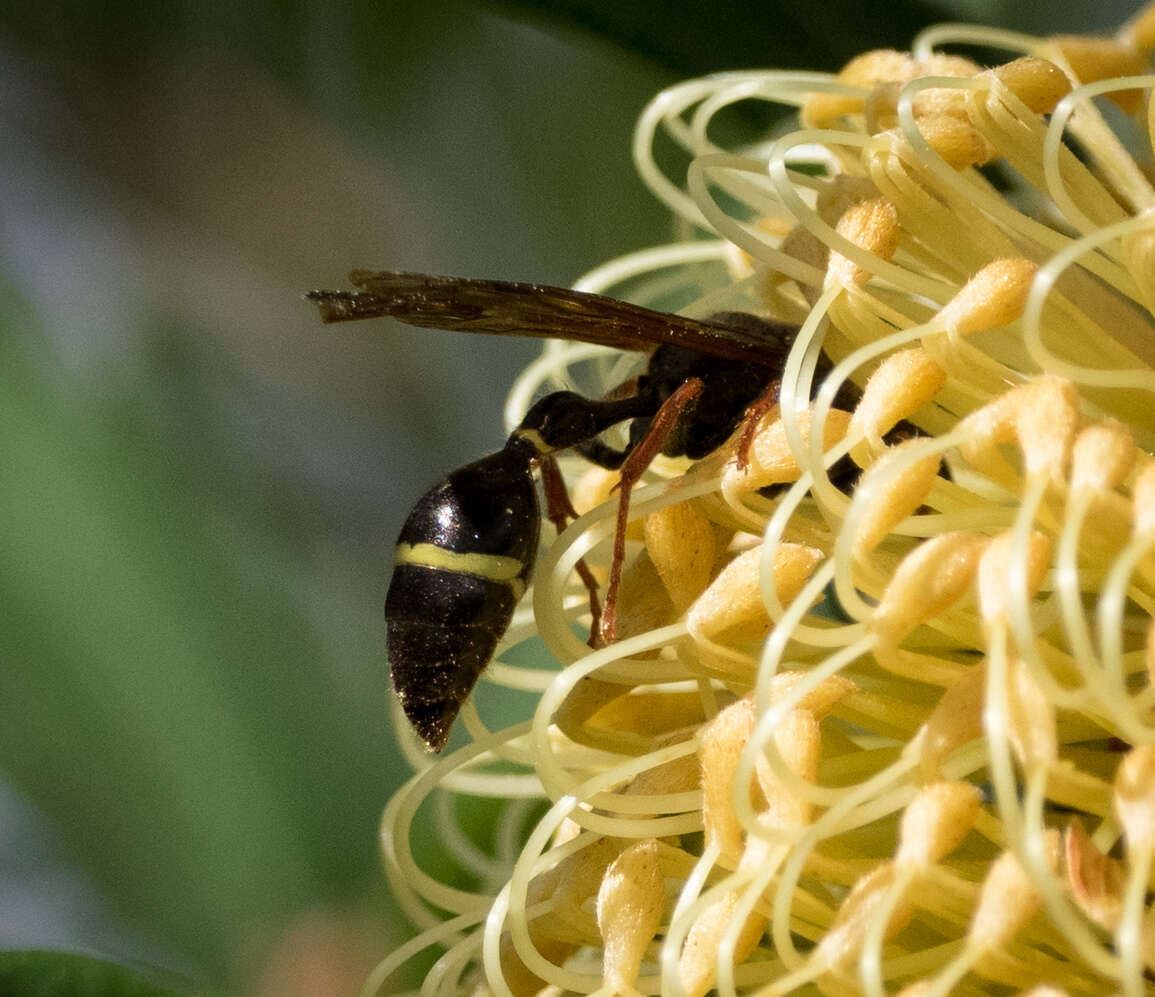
(633, 468)
(560, 510)
(753, 415)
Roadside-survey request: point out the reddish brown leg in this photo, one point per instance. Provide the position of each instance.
(633, 468)
(560, 510)
(757, 408)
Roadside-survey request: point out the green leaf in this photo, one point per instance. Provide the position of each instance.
(62, 974)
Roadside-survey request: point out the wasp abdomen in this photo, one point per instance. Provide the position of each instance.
(463, 560)
(442, 628)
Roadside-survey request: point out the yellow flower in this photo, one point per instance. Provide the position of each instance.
(895, 736)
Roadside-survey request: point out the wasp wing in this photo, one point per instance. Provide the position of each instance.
(507, 308)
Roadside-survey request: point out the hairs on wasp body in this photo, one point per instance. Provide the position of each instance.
(467, 551)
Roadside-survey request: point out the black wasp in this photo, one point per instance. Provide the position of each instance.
(467, 550)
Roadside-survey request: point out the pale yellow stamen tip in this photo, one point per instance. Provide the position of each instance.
(899, 494)
(993, 297)
(936, 821)
(697, 965)
(866, 70)
(1008, 898)
(843, 941)
(819, 700)
(959, 143)
(1102, 456)
(1038, 83)
(771, 461)
(1042, 416)
(956, 720)
(733, 603)
(629, 911)
(1031, 717)
(798, 740)
(929, 581)
(997, 568)
(719, 750)
(835, 198)
(873, 227)
(1046, 424)
(680, 541)
(903, 383)
(1093, 59)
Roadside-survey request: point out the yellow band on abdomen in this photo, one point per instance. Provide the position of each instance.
(495, 567)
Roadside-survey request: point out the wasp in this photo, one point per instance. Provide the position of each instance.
(467, 551)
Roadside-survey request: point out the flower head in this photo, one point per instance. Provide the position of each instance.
(876, 728)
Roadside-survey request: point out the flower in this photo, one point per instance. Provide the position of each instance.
(851, 737)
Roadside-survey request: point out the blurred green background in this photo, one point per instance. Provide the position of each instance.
(201, 485)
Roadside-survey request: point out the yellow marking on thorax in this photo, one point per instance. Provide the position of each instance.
(494, 567)
(534, 437)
